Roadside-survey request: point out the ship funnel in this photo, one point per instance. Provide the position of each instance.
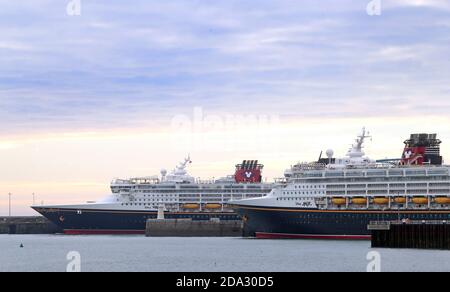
(422, 149)
(249, 171)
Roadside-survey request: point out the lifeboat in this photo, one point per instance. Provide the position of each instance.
(381, 201)
(213, 206)
(420, 200)
(338, 201)
(191, 206)
(442, 200)
(359, 201)
(400, 200)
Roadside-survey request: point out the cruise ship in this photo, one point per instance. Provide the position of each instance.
(337, 198)
(173, 195)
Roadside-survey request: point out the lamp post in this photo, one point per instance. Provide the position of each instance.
(34, 199)
(9, 197)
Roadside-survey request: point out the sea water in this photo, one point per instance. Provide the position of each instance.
(138, 253)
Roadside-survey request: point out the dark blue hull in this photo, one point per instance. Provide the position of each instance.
(117, 222)
(333, 224)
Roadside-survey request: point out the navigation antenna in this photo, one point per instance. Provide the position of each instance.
(361, 138)
(356, 149)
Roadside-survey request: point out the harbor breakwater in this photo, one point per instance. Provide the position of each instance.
(190, 228)
(27, 225)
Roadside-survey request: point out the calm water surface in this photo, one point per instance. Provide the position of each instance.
(137, 253)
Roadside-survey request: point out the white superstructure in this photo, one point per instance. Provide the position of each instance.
(357, 182)
(178, 191)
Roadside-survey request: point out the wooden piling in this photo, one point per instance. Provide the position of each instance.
(411, 234)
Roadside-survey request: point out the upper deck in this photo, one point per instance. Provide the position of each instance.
(371, 173)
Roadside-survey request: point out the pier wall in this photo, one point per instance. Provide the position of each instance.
(27, 225)
(190, 228)
(414, 235)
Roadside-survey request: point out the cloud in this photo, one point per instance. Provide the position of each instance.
(8, 145)
(438, 4)
(14, 46)
(120, 65)
(396, 53)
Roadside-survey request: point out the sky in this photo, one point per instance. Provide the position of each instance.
(127, 88)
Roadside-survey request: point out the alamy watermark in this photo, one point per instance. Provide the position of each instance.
(374, 8)
(73, 8)
(374, 258)
(74, 264)
(204, 131)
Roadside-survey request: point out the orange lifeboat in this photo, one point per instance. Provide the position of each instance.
(420, 200)
(359, 201)
(191, 206)
(338, 201)
(400, 200)
(442, 200)
(213, 206)
(381, 201)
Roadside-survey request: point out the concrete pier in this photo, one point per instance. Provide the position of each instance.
(411, 234)
(190, 228)
(27, 225)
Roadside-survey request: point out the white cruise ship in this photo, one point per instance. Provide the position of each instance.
(338, 198)
(175, 194)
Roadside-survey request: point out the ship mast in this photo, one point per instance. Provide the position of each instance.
(357, 149)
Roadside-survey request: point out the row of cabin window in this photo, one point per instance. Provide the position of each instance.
(303, 193)
(293, 199)
(309, 187)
